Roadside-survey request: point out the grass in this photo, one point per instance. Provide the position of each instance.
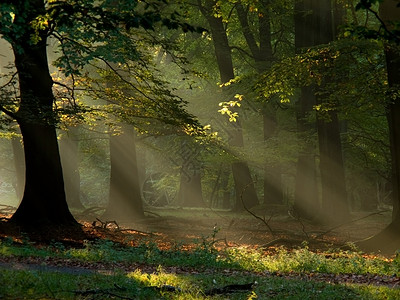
(138, 285)
(206, 268)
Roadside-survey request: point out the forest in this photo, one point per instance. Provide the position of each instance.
(199, 149)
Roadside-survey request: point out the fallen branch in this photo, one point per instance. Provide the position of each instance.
(105, 224)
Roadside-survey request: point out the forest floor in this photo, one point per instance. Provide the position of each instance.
(168, 227)
(188, 228)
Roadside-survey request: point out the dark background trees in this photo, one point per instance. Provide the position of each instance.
(303, 84)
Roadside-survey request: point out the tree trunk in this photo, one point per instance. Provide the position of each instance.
(43, 202)
(388, 240)
(306, 203)
(190, 191)
(244, 186)
(69, 148)
(125, 202)
(314, 26)
(273, 193)
(333, 184)
(262, 55)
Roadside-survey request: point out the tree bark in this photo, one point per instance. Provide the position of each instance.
(388, 240)
(43, 202)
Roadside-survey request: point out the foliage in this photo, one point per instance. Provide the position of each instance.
(91, 33)
(357, 89)
(386, 31)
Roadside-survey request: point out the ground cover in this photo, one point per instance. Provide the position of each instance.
(211, 255)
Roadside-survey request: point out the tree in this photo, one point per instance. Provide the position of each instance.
(388, 239)
(190, 189)
(306, 202)
(125, 201)
(244, 186)
(333, 184)
(86, 31)
(314, 27)
(262, 54)
(43, 202)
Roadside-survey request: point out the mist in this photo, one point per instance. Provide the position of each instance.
(294, 146)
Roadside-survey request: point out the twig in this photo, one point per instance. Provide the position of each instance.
(303, 228)
(104, 224)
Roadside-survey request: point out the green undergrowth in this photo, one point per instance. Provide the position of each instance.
(206, 256)
(138, 285)
(206, 267)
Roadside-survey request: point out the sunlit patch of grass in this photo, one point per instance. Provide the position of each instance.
(182, 286)
(303, 260)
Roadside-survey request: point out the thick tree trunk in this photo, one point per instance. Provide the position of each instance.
(244, 186)
(43, 203)
(388, 240)
(333, 186)
(125, 202)
(190, 192)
